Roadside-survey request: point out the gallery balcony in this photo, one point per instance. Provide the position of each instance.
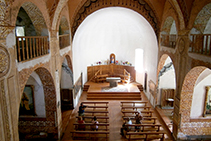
(30, 47)
(168, 40)
(200, 44)
(64, 40)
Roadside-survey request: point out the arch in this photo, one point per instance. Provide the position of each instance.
(179, 14)
(197, 7)
(35, 9)
(161, 64)
(90, 6)
(67, 73)
(197, 107)
(187, 92)
(63, 26)
(57, 13)
(48, 123)
(202, 19)
(69, 62)
(167, 26)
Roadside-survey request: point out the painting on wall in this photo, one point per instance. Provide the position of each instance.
(27, 105)
(207, 103)
(152, 88)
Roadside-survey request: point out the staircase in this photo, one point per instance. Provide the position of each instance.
(86, 87)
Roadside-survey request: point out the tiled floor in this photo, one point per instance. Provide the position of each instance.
(115, 120)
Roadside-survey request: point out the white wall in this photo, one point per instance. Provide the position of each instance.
(199, 94)
(39, 98)
(167, 80)
(114, 30)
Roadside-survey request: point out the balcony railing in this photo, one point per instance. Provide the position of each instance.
(29, 47)
(168, 40)
(200, 43)
(64, 40)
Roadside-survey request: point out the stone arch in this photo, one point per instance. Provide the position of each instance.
(167, 24)
(63, 26)
(161, 63)
(202, 19)
(90, 6)
(36, 10)
(179, 14)
(197, 7)
(57, 12)
(69, 62)
(47, 124)
(187, 92)
(66, 73)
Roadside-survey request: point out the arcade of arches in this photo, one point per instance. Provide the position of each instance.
(47, 46)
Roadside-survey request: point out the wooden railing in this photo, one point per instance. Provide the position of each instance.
(200, 43)
(64, 40)
(168, 40)
(126, 76)
(29, 47)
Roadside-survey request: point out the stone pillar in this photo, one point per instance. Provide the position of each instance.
(9, 93)
(56, 71)
(182, 66)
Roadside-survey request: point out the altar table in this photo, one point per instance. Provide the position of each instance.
(113, 81)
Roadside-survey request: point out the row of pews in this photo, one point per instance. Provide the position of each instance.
(148, 129)
(98, 109)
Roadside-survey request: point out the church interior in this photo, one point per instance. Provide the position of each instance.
(118, 58)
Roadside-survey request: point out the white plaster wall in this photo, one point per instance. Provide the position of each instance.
(167, 80)
(197, 107)
(114, 30)
(38, 94)
(66, 80)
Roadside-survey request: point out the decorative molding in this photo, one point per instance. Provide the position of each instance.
(4, 61)
(5, 112)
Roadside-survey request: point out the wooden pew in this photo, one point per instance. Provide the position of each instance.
(145, 113)
(146, 135)
(89, 137)
(145, 127)
(96, 103)
(145, 120)
(96, 112)
(99, 118)
(133, 103)
(136, 107)
(101, 126)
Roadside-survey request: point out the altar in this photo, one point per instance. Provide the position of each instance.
(113, 81)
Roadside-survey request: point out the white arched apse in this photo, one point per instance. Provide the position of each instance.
(114, 30)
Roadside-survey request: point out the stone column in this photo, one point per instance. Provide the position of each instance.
(56, 71)
(182, 66)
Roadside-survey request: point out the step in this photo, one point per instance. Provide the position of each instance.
(114, 95)
(113, 98)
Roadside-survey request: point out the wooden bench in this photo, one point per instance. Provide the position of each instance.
(98, 118)
(145, 127)
(133, 103)
(95, 103)
(145, 135)
(101, 126)
(144, 113)
(145, 120)
(136, 107)
(96, 112)
(95, 133)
